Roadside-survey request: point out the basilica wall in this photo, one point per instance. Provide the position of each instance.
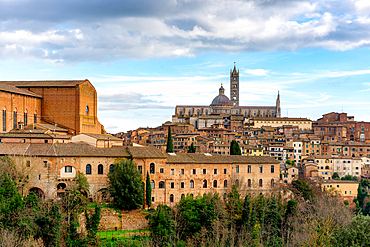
(19, 105)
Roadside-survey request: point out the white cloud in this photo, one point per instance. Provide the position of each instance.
(257, 72)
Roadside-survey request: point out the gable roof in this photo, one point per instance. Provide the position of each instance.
(197, 158)
(145, 152)
(48, 83)
(13, 89)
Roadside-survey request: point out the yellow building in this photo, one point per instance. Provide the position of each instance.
(301, 123)
(325, 165)
(347, 189)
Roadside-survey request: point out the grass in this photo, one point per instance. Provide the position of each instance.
(122, 234)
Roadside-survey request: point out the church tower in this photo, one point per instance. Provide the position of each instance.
(234, 86)
(278, 110)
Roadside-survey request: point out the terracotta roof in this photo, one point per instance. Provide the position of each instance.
(191, 158)
(13, 89)
(281, 119)
(51, 127)
(145, 152)
(54, 83)
(33, 135)
(103, 137)
(61, 149)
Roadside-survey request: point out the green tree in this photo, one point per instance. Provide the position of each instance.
(303, 189)
(246, 212)
(234, 205)
(191, 148)
(126, 185)
(162, 225)
(234, 148)
(273, 221)
(50, 226)
(335, 176)
(357, 233)
(148, 191)
(92, 224)
(350, 178)
(169, 148)
(361, 195)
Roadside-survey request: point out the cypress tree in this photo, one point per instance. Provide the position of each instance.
(191, 148)
(246, 211)
(169, 148)
(234, 148)
(148, 195)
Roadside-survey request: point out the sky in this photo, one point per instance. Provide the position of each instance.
(144, 57)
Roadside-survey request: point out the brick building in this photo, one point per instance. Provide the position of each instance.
(69, 104)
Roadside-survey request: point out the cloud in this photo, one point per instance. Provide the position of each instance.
(74, 31)
(256, 72)
(129, 97)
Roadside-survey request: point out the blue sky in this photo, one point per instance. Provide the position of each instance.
(145, 57)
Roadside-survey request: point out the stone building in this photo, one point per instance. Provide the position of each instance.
(71, 105)
(52, 166)
(223, 108)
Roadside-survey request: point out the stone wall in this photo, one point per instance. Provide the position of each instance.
(110, 219)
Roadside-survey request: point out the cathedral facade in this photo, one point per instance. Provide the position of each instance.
(223, 109)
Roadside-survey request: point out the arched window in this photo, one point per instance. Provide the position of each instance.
(206, 112)
(152, 184)
(225, 197)
(191, 184)
(88, 169)
(237, 182)
(204, 183)
(272, 183)
(205, 123)
(161, 185)
(35, 118)
(260, 183)
(249, 183)
(191, 195)
(189, 113)
(111, 167)
(171, 198)
(214, 183)
(181, 113)
(198, 112)
(225, 183)
(152, 168)
(100, 169)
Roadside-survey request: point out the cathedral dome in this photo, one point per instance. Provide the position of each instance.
(221, 99)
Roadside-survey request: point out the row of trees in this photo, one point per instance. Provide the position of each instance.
(313, 218)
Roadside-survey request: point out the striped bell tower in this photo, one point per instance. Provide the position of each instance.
(234, 86)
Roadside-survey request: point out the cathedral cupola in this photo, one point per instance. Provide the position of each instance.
(222, 90)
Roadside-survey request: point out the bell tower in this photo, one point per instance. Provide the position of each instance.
(234, 86)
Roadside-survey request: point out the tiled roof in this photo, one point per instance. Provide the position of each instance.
(191, 158)
(33, 135)
(103, 137)
(61, 149)
(49, 127)
(145, 152)
(13, 89)
(281, 119)
(55, 83)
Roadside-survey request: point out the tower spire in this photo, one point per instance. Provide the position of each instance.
(278, 109)
(234, 86)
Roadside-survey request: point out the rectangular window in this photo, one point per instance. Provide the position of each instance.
(35, 118)
(45, 164)
(249, 169)
(152, 185)
(182, 171)
(161, 170)
(204, 171)
(194, 171)
(25, 119)
(261, 169)
(172, 185)
(68, 169)
(172, 172)
(152, 199)
(182, 185)
(225, 171)
(28, 163)
(237, 168)
(140, 169)
(215, 171)
(272, 169)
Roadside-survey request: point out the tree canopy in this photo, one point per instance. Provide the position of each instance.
(169, 148)
(126, 185)
(234, 148)
(191, 148)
